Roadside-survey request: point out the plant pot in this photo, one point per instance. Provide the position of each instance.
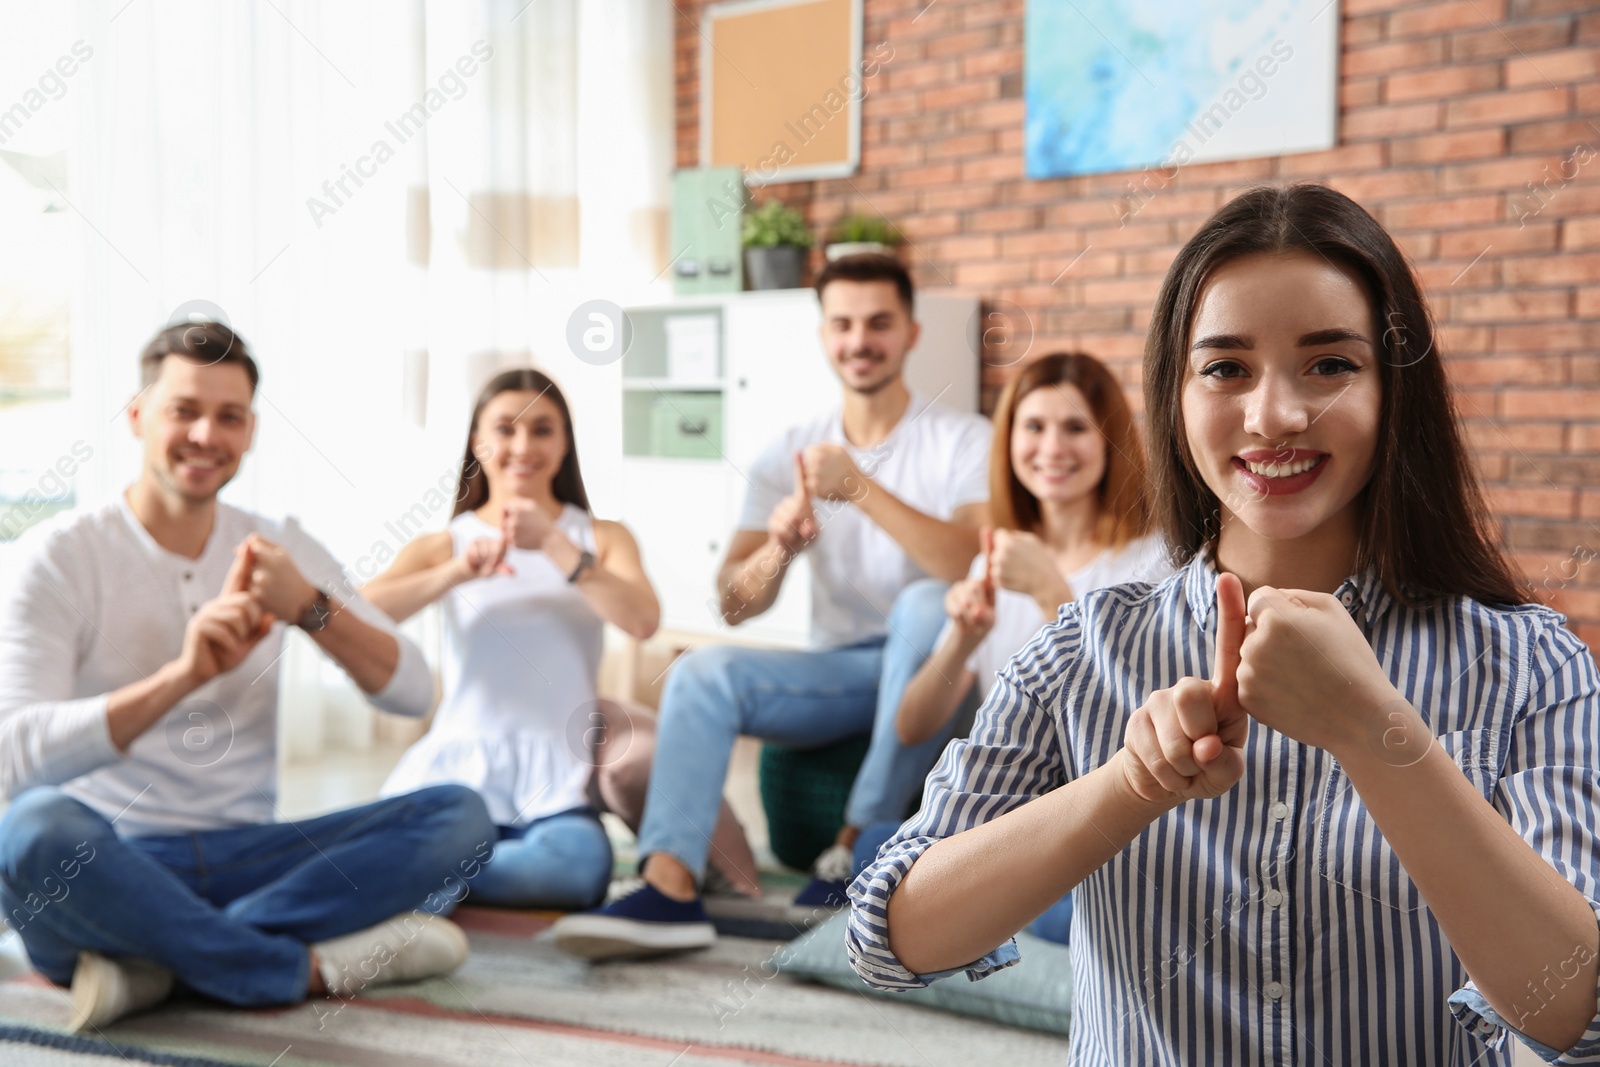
(777, 267)
(856, 248)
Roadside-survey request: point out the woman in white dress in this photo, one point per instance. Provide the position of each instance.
(526, 579)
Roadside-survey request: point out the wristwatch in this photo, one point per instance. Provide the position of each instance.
(316, 615)
(585, 561)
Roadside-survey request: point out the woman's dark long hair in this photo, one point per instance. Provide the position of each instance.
(1424, 526)
(1124, 509)
(472, 487)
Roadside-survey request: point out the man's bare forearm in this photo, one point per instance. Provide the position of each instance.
(942, 549)
(750, 586)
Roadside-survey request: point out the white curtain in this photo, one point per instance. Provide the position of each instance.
(386, 202)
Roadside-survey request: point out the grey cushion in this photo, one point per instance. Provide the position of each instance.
(1034, 993)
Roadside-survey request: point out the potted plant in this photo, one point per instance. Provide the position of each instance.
(776, 240)
(855, 234)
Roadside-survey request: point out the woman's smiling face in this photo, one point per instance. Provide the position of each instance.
(1282, 394)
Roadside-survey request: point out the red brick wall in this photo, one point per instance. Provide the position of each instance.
(1458, 127)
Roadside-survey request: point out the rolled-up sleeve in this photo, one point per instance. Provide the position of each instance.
(1013, 756)
(1550, 792)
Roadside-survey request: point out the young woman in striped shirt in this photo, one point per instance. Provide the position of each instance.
(1327, 794)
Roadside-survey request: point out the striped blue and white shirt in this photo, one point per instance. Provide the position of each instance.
(1273, 924)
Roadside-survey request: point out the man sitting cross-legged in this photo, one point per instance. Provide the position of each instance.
(884, 490)
(138, 713)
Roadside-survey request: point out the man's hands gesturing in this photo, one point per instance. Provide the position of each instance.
(227, 628)
(793, 524)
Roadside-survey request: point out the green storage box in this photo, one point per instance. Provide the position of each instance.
(686, 425)
(707, 226)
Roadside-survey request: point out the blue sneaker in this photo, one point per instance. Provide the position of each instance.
(646, 922)
(830, 877)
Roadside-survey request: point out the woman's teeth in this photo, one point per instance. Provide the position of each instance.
(1282, 470)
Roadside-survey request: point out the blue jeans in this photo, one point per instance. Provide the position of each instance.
(230, 912)
(560, 861)
(892, 773)
(803, 699)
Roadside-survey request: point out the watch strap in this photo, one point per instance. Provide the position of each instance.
(585, 561)
(316, 615)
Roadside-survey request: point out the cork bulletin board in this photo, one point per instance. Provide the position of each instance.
(780, 88)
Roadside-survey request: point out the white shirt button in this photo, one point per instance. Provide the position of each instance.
(1280, 810)
(1274, 990)
(1347, 598)
(1274, 898)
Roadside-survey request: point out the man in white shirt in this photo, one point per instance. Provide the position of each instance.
(880, 492)
(138, 701)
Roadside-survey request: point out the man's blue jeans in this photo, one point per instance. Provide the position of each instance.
(800, 698)
(230, 912)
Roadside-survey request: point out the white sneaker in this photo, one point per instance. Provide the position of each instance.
(104, 989)
(830, 879)
(836, 864)
(408, 947)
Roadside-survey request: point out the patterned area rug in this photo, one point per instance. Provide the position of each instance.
(518, 1000)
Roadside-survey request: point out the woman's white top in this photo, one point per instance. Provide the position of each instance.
(1017, 616)
(518, 671)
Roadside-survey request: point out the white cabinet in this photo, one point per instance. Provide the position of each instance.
(689, 441)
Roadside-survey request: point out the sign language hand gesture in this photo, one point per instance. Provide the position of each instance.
(1021, 563)
(831, 474)
(792, 523)
(228, 627)
(484, 557)
(1308, 671)
(525, 525)
(970, 602)
(1187, 742)
(273, 579)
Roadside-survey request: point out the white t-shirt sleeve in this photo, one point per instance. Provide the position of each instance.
(409, 690)
(47, 736)
(771, 479)
(969, 466)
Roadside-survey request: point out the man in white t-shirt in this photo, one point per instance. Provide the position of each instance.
(882, 491)
(139, 643)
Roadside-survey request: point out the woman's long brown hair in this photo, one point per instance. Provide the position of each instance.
(1424, 526)
(472, 486)
(1124, 507)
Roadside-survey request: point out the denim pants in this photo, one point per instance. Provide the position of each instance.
(803, 699)
(230, 912)
(560, 861)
